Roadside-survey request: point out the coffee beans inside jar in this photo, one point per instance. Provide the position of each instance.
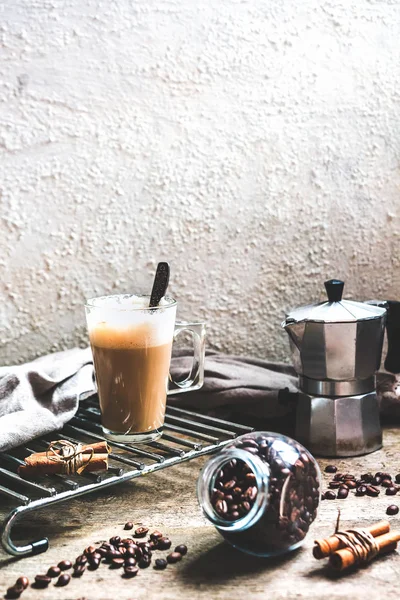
(261, 492)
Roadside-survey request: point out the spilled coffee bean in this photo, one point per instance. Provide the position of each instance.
(130, 571)
(15, 591)
(64, 579)
(174, 557)
(160, 564)
(330, 469)
(141, 531)
(392, 510)
(42, 581)
(22, 581)
(329, 495)
(53, 572)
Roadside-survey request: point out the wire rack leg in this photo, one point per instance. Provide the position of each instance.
(35, 547)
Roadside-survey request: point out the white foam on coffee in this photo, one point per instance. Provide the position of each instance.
(127, 322)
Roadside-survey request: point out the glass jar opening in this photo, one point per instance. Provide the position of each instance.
(240, 477)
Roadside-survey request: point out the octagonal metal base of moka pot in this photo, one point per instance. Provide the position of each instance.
(340, 426)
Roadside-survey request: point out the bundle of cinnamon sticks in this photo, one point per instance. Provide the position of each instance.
(341, 551)
(64, 457)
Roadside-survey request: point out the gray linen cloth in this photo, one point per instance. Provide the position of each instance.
(41, 396)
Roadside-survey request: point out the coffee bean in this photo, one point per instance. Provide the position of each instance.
(156, 535)
(141, 531)
(182, 549)
(131, 551)
(383, 475)
(96, 556)
(89, 550)
(128, 525)
(130, 561)
(24, 581)
(115, 540)
(251, 493)
(130, 571)
(372, 491)
(392, 510)
(15, 591)
(64, 579)
(78, 570)
(64, 565)
(94, 564)
(117, 563)
(221, 507)
(330, 469)
(397, 478)
(127, 542)
(54, 571)
(348, 476)
(329, 495)
(138, 554)
(42, 581)
(160, 564)
(229, 485)
(377, 480)
(351, 484)
(344, 486)
(144, 562)
(343, 493)
(174, 557)
(367, 477)
(333, 485)
(391, 491)
(361, 490)
(81, 560)
(164, 543)
(338, 477)
(232, 516)
(387, 483)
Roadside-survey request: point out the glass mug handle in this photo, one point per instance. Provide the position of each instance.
(195, 378)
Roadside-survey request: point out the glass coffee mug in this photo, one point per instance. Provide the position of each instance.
(131, 345)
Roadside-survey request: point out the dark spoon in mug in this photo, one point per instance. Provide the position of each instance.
(160, 284)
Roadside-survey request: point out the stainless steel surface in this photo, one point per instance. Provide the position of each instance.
(336, 340)
(188, 435)
(329, 387)
(336, 312)
(347, 426)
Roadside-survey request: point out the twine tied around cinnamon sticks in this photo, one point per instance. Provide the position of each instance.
(69, 455)
(356, 546)
(66, 457)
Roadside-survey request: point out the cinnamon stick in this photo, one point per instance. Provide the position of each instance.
(96, 448)
(41, 465)
(328, 546)
(345, 558)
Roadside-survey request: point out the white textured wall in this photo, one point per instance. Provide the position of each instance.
(254, 144)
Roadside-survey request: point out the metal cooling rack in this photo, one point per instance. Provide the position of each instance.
(186, 435)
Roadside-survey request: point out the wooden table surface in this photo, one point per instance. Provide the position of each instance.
(166, 500)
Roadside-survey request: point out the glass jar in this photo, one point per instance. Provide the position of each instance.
(261, 492)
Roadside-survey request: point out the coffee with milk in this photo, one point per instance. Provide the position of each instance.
(131, 346)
